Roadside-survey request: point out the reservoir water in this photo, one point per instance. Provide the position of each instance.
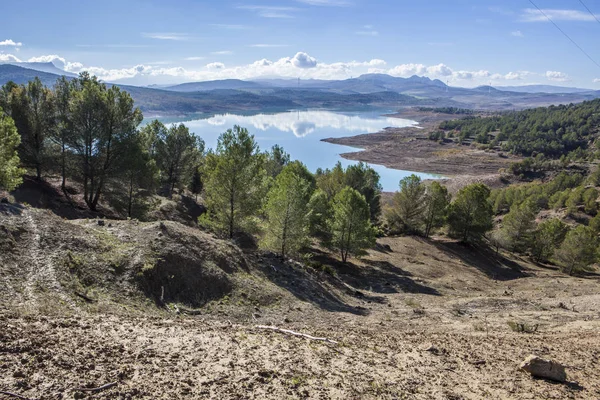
(300, 134)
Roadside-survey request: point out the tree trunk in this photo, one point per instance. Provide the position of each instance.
(129, 206)
(63, 168)
(231, 209)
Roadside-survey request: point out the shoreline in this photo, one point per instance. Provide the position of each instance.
(409, 149)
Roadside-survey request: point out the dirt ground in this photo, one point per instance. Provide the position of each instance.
(415, 319)
(410, 149)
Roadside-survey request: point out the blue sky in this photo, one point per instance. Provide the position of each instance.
(467, 43)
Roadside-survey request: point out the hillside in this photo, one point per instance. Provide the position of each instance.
(418, 318)
(372, 90)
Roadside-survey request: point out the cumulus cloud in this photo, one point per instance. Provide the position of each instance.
(10, 42)
(301, 65)
(215, 65)
(517, 34)
(406, 70)
(303, 60)
(59, 61)
(8, 58)
(557, 76)
(442, 71)
(534, 15)
(597, 80)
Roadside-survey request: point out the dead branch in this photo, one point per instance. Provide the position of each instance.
(288, 332)
(18, 396)
(84, 297)
(98, 389)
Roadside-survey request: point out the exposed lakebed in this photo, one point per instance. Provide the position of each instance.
(300, 134)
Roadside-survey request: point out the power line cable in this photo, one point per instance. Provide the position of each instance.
(564, 33)
(590, 11)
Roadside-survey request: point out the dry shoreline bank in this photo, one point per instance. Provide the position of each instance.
(410, 149)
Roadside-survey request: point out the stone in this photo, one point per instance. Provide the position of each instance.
(542, 368)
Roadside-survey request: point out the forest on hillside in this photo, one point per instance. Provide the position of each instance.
(554, 131)
(91, 136)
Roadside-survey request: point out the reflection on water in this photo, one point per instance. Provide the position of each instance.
(300, 134)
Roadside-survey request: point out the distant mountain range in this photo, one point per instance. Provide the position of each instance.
(370, 90)
(543, 89)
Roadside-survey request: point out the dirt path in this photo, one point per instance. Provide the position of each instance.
(41, 273)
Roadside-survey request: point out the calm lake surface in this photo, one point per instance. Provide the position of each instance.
(300, 134)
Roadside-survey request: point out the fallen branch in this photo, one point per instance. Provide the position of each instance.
(288, 332)
(18, 396)
(98, 389)
(83, 296)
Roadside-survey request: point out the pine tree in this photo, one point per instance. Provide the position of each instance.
(234, 181)
(365, 180)
(104, 120)
(286, 212)
(350, 225)
(518, 226)
(470, 214)
(63, 129)
(579, 250)
(319, 214)
(178, 153)
(196, 184)
(548, 237)
(408, 205)
(437, 201)
(10, 173)
(32, 109)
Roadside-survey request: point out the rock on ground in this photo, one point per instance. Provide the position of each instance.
(542, 368)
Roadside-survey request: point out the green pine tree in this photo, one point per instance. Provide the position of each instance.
(350, 225)
(470, 214)
(10, 173)
(234, 181)
(287, 213)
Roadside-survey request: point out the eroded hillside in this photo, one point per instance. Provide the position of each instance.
(167, 311)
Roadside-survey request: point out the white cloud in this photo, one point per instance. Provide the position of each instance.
(10, 42)
(303, 60)
(166, 36)
(406, 70)
(271, 11)
(195, 58)
(511, 76)
(534, 15)
(517, 34)
(557, 76)
(57, 60)
(222, 53)
(597, 80)
(442, 71)
(215, 65)
(8, 58)
(301, 65)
